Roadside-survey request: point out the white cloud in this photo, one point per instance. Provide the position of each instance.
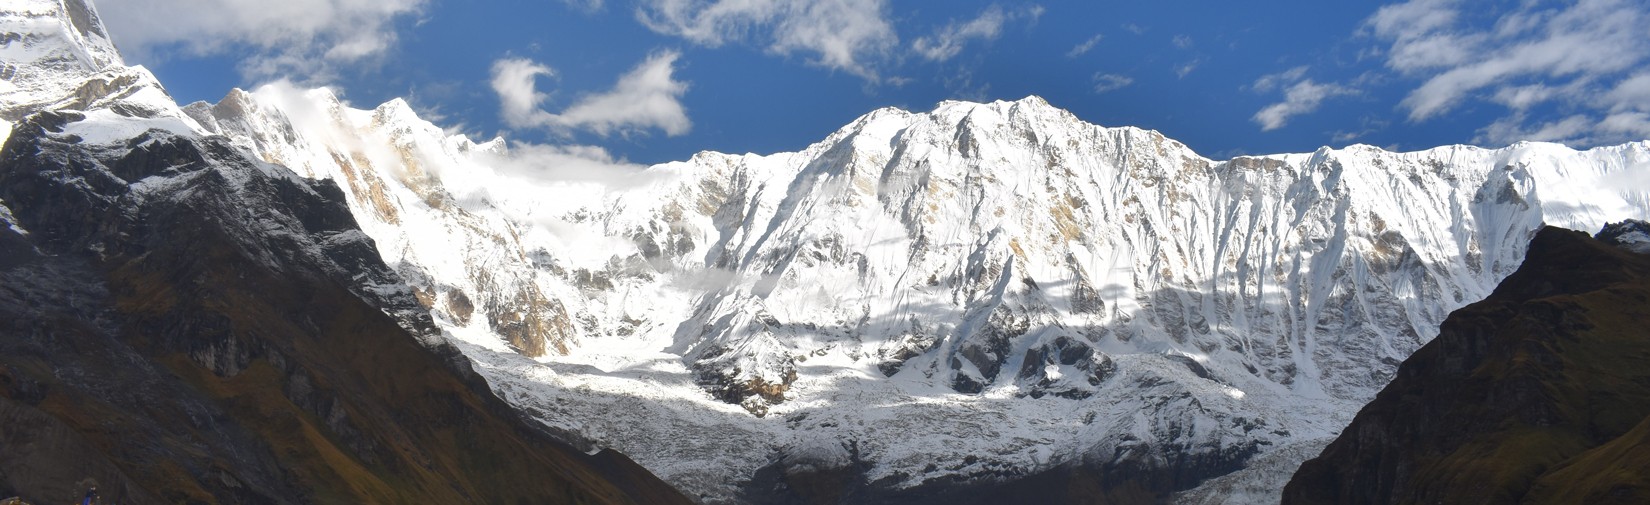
(847, 35)
(1108, 82)
(1300, 96)
(1084, 47)
(646, 97)
(302, 38)
(1185, 69)
(1513, 128)
(1630, 93)
(542, 185)
(585, 5)
(1577, 129)
(949, 40)
(518, 95)
(1182, 41)
(1271, 82)
(1577, 54)
(565, 164)
(1524, 97)
(1636, 124)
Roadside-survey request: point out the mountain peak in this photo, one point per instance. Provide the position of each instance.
(50, 47)
(1032, 104)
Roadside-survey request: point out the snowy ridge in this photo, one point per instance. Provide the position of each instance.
(60, 73)
(998, 280)
(46, 47)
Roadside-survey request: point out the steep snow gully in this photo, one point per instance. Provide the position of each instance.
(978, 293)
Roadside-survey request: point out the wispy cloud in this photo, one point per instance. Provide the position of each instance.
(585, 5)
(1182, 41)
(646, 97)
(1084, 47)
(847, 35)
(949, 40)
(1578, 54)
(302, 39)
(1518, 127)
(1300, 96)
(1271, 82)
(1366, 126)
(1104, 82)
(1185, 69)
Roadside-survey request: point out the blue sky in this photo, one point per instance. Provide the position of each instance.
(657, 80)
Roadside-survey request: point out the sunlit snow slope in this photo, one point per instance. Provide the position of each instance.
(979, 291)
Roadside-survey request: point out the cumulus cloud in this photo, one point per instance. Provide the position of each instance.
(949, 40)
(846, 35)
(306, 38)
(646, 97)
(1084, 47)
(1300, 96)
(1580, 56)
(1107, 82)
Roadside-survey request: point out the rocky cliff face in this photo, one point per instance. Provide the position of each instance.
(1538, 394)
(180, 322)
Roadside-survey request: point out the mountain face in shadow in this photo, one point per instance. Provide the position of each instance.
(1538, 394)
(182, 324)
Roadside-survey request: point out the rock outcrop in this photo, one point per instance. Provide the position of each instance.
(1540, 393)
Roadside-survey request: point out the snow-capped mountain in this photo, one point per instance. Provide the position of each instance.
(983, 291)
(48, 49)
(182, 322)
(922, 304)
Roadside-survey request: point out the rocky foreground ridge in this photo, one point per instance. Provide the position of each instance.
(182, 323)
(1540, 393)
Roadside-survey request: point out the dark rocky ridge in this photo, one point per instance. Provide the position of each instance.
(182, 324)
(1538, 394)
(1631, 234)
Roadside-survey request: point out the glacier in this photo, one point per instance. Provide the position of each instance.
(973, 294)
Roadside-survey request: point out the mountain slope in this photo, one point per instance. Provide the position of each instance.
(1001, 286)
(181, 323)
(1538, 394)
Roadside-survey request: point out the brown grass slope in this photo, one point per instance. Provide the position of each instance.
(1538, 394)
